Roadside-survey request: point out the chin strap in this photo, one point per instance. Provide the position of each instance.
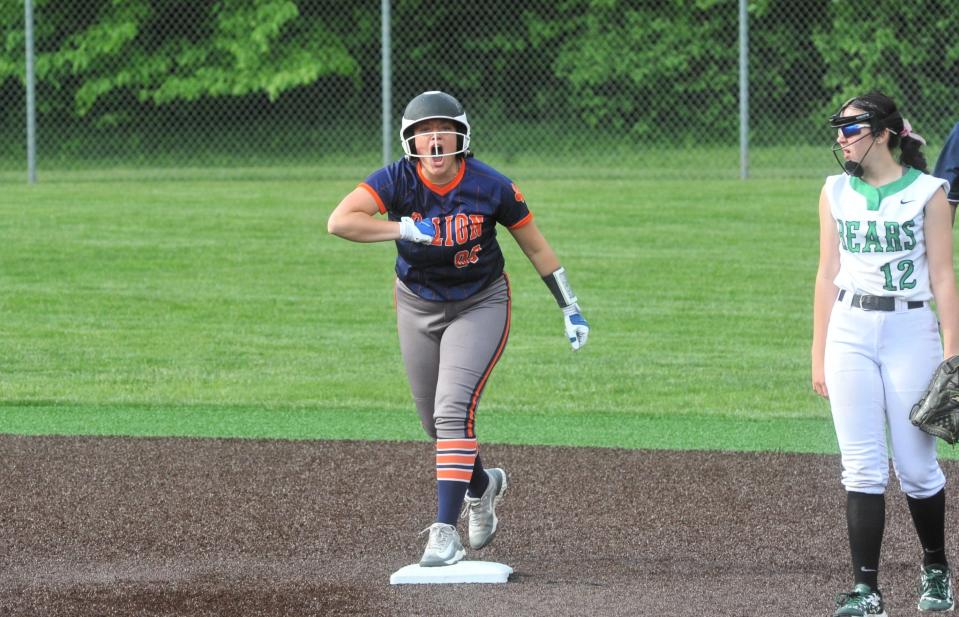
(852, 168)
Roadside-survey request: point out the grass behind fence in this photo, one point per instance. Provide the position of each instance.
(213, 303)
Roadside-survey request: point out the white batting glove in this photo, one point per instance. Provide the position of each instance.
(416, 231)
(577, 330)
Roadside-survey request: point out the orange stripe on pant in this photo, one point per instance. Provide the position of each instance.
(474, 400)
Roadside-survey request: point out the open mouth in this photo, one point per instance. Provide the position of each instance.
(437, 158)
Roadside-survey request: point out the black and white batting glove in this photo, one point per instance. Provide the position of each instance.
(421, 232)
(577, 329)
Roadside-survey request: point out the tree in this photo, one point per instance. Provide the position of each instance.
(164, 51)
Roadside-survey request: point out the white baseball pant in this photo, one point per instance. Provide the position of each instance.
(877, 365)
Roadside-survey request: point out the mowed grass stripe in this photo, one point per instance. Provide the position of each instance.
(686, 431)
(605, 430)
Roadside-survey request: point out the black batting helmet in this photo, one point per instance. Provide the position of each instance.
(430, 105)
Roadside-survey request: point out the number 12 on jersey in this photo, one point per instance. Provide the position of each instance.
(906, 267)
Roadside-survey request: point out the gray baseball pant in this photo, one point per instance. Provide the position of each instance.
(449, 350)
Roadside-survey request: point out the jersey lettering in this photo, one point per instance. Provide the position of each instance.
(907, 229)
(438, 238)
(893, 237)
(893, 244)
(456, 230)
(449, 230)
(851, 228)
(842, 235)
(462, 229)
(872, 239)
(476, 226)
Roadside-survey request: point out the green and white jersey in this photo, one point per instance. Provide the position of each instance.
(882, 246)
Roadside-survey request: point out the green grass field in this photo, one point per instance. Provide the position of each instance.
(213, 303)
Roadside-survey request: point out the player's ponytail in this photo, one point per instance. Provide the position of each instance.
(886, 116)
(911, 153)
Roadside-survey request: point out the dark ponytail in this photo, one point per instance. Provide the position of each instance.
(911, 154)
(887, 116)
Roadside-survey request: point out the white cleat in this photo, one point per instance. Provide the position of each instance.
(482, 510)
(443, 548)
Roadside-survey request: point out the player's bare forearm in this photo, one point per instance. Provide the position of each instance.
(825, 292)
(536, 248)
(360, 227)
(942, 275)
(353, 219)
(825, 295)
(947, 306)
(545, 262)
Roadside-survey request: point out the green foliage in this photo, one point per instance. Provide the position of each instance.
(633, 68)
(169, 51)
(482, 51)
(885, 48)
(787, 90)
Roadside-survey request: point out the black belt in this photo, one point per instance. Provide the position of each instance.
(878, 303)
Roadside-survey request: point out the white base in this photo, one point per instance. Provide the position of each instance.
(462, 572)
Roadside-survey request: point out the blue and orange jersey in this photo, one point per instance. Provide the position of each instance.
(947, 165)
(465, 256)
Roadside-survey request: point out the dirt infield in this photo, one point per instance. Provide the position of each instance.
(189, 527)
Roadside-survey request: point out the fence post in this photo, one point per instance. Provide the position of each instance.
(386, 78)
(743, 90)
(31, 101)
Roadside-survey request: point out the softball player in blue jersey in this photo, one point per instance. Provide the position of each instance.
(452, 296)
(885, 253)
(947, 167)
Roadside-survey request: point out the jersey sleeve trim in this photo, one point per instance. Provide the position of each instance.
(522, 222)
(376, 196)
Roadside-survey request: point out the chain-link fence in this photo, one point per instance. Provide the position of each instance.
(642, 86)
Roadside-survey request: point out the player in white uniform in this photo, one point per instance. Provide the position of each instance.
(885, 254)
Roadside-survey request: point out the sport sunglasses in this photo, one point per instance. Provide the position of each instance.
(851, 125)
(851, 130)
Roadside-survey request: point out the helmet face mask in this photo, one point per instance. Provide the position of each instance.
(870, 117)
(434, 105)
(837, 121)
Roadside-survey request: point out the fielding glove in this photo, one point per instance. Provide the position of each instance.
(937, 411)
(577, 330)
(416, 231)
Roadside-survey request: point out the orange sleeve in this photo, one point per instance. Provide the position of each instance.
(376, 196)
